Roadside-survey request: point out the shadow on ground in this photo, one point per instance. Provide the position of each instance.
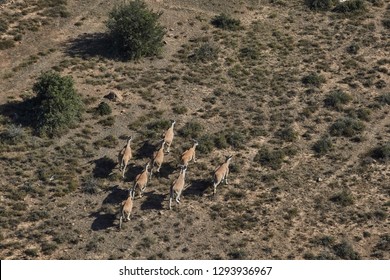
(197, 187)
(103, 167)
(107, 220)
(152, 201)
(92, 45)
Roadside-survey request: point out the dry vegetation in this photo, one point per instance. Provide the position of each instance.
(301, 98)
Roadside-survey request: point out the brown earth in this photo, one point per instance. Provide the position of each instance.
(296, 205)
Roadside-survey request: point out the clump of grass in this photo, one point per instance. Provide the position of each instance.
(191, 130)
(350, 6)
(12, 135)
(381, 153)
(237, 254)
(110, 121)
(6, 44)
(226, 22)
(320, 5)
(345, 251)
(313, 79)
(336, 99)
(347, 127)
(251, 53)
(270, 158)
(323, 145)
(90, 185)
(353, 48)
(109, 141)
(103, 109)
(384, 98)
(205, 53)
(343, 198)
(179, 109)
(287, 134)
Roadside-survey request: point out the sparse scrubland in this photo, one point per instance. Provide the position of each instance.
(297, 91)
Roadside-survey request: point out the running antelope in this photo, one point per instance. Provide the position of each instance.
(141, 181)
(124, 157)
(221, 173)
(126, 208)
(189, 155)
(158, 158)
(168, 137)
(177, 186)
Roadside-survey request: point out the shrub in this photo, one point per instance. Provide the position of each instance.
(226, 22)
(3, 26)
(322, 146)
(103, 109)
(287, 134)
(206, 52)
(350, 6)
(381, 152)
(347, 127)
(336, 99)
(384, 98)
(313, 79)
(268, 158)
(345, 251)
(191, 129)
(323, 5)
(343, 198)
(353, 48)
(135, 31)
(386, 23)
(6, 44)
(58, 105)
(12, 135)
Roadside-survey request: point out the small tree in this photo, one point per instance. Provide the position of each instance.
(58, 105)
(135, 31)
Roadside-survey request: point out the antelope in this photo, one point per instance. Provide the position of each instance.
(158, 158)
(124, 157)
(221, 173)
(126, 208)
(168, 137)
(177, 186)
(189, 155)
(141, 181)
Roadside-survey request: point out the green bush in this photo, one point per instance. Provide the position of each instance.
(323, 5)
(384, 98)
(343, 198)
(191, 129)
(12, 135)
(58, 105)
(287, 134)
(323, 145)
(270, 158)
(386, 23)
(347, 127)
(103, 109)
(353, 48)
(336, 99)
(135, 30)
(345, 251)
(313, 79)
(6, 44)
(3, 26)
(226, 22)
(206, 52)
(381, 152)
(350, 6)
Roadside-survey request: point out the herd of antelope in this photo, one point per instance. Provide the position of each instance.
(141, 180)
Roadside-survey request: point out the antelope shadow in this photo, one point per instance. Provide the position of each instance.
(107, 220)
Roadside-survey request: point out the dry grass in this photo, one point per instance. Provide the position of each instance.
(300, 97)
